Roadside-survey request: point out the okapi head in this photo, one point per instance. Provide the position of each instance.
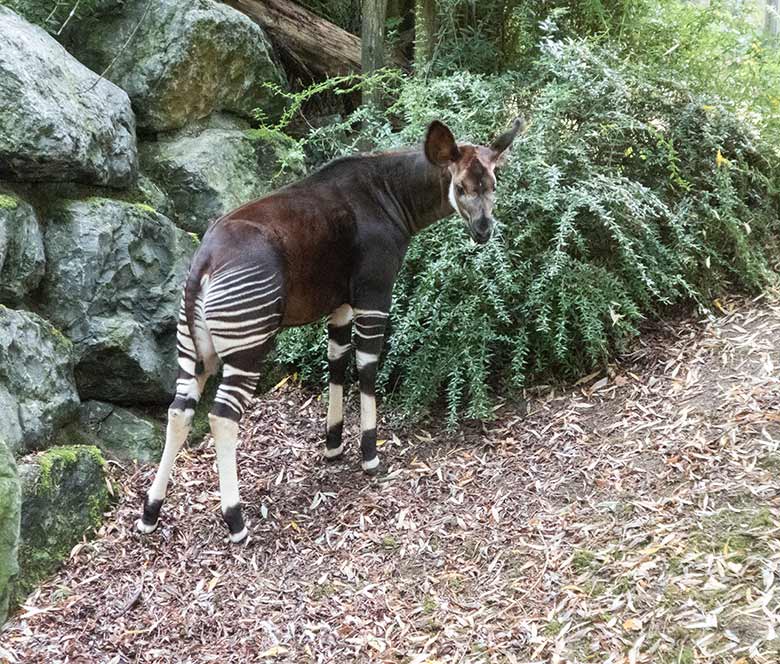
(472, 169)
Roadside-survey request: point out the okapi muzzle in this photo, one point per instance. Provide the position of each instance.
(327, 247)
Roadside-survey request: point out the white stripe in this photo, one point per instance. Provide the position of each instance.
(370, 312)
(232, 313)
(226, 347)
(336, 351)
(228, 399)
(247, 326)
(188, 388)
(369, 336)
(217, 311)
(219, 300)
(222, 293)
(239, 390)
(362, 358)
(187, 364)
(229, 370)
(219, 277)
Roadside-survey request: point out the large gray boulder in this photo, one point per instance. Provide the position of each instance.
(118, 432)
(37, 386)
(208, 173)
(58, 121)
(64, 496)
(10, 511)
(113, 286)
(22, 261)
(185, 60)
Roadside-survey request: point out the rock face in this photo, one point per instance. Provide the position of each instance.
(119, 433)
(37, 387)
(57, 122)
(22, 260)
(64, 495)
(52, 16)
(209, 173)
(113, 286)
(186, 60)
(10, 511)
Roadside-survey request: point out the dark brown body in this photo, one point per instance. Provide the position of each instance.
(337, 235)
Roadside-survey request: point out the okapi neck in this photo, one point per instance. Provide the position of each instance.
(419, 190)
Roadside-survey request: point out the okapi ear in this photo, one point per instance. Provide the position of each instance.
(440, 146)
(502, 142)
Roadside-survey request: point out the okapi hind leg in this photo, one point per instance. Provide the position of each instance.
(235, 391)
(339, 344)
(193, 375)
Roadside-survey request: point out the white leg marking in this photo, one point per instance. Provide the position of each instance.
(370, 465)
(143, 528)
(367, 412)
(179, 423)
(238, 537)
(225, 432)
(337, 351)
(341, 315)
(335, 404)
(333, 453)
(362, 358)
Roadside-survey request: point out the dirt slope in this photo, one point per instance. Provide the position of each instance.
(632, 518)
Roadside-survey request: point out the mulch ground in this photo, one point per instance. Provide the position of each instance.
(633, 517)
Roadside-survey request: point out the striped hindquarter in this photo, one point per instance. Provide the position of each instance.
(237, 312)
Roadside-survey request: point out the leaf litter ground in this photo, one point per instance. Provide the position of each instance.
(633, 517)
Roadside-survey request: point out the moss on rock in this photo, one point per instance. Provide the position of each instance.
(10, 510)
(8, 202)
(119, 433)
(64, 496)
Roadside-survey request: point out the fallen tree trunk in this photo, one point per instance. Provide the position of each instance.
(319, 45)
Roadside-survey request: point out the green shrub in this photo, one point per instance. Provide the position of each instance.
(628, 193)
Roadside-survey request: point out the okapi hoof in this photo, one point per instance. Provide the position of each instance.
(146, 528)
(237, 538)
(332, 454)
(235, 522)
(373, 467)
(150, 518)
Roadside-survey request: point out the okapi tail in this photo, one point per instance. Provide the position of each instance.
(191, 291)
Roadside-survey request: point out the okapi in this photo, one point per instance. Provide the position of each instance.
(329, 245)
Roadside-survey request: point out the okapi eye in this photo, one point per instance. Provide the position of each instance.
(460, 190)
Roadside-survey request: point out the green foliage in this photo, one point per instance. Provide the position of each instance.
(493, 35)
(344, 13)
(628, 193)
(719, 48)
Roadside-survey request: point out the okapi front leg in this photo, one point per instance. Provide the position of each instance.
(369, 336)
(339, 344)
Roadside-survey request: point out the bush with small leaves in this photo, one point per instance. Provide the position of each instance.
(627, 194)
